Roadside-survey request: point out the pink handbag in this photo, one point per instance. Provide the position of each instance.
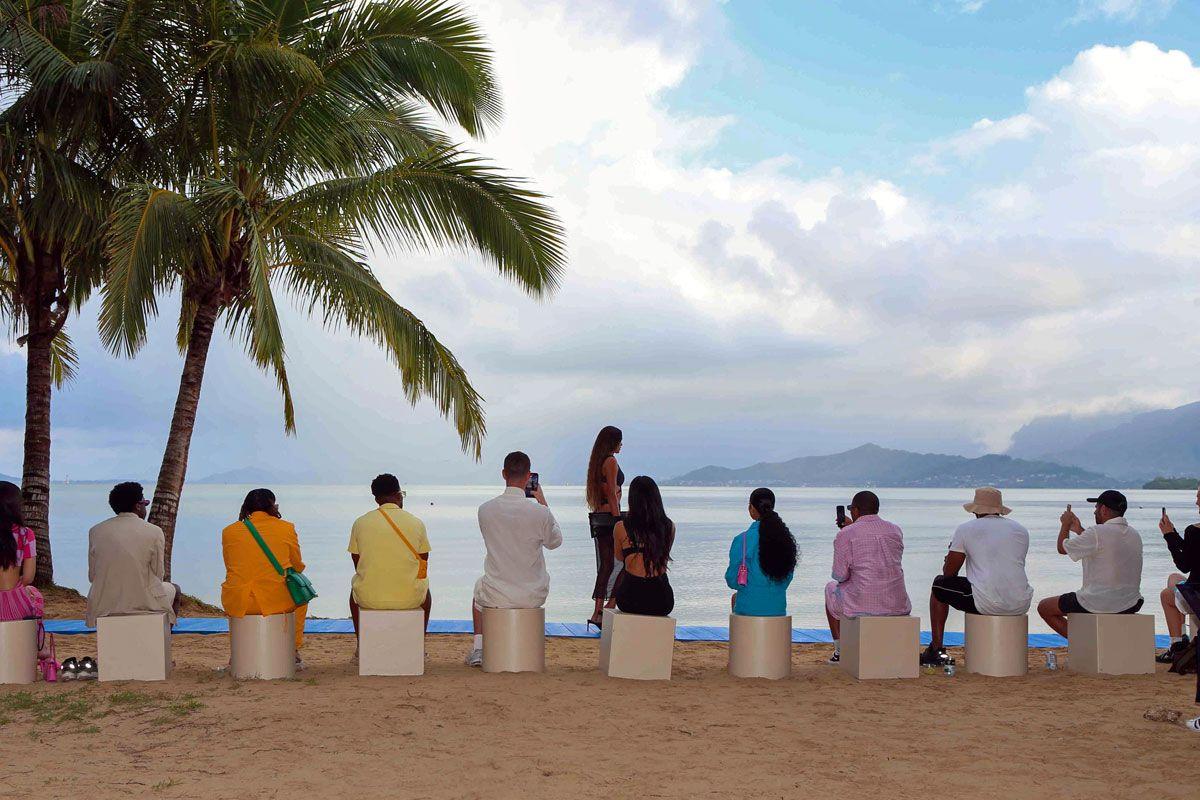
(743, 570)
(47, 664)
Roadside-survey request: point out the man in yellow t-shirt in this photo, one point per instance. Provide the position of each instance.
(390, 552)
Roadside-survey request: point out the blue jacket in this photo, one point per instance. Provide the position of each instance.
(761, 596)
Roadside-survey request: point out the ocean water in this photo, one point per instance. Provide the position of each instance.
(706, 519)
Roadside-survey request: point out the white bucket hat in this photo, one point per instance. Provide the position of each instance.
(987, 501)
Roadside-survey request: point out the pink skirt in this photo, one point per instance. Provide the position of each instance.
(21, 602)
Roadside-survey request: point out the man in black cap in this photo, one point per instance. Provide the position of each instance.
(1111, 552)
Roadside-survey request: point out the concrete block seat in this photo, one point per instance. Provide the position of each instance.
(636, 647)
(391, 642)
(514, 640)
(997, 646)
(881, 647)
(760, 647)
(18, 651)
(1110, 644)
(263, 647)
(134, 647)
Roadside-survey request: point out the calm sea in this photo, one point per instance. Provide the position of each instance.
(707, 519)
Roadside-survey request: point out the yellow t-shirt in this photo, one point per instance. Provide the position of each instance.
(386, 577)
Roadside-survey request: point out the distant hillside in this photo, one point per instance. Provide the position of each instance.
(1043, 437)
(1165, 442)
(252, 475)
(871, 465)
(1190, 484)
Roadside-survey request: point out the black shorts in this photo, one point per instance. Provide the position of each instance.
(1069, 604)
(955, 591)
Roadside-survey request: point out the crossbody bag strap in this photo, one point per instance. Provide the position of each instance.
(403, 538)
(258, 538)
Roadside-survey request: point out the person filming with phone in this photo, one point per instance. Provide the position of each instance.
(516, 526)
(1185, 552)
(1111, 553)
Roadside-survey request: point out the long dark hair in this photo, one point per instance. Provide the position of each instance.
(776, 546)
(648, 525)
(258, 500)
(10, 515)
(607, 442)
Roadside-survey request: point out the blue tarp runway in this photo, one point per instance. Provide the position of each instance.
(555, 630)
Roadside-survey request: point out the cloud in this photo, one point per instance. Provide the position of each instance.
(1122, 10)
(731, 314)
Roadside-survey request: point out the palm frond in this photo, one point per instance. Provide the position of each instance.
(64, 360)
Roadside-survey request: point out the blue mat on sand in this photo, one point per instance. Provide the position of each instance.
(557, 630)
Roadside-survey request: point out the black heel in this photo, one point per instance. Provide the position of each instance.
(599, 625)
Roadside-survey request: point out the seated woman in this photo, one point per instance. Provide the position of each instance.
(642, 540)
(18, 560)
(252, 587)
(768, 550)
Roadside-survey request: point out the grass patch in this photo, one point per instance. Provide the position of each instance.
(185, 705)
(130, 699)
(51, 707)
(167, 784)
(90, 729)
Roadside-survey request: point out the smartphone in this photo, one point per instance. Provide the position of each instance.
(532, 486)
(841, 516)
(1164, 509)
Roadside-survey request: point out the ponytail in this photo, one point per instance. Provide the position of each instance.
(777, 553)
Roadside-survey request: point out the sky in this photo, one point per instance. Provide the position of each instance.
(793, 227)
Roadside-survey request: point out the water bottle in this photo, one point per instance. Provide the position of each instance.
(1051, 661)
(948, 669)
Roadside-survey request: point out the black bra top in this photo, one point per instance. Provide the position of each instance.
(620, 474)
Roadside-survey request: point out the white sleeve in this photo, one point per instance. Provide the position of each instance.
(553, 532)
(1084, 545)
(957, 544)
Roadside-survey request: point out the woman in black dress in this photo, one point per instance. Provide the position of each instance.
(604, 482)
(643, 540)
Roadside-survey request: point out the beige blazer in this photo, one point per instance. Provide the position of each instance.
(125, 566)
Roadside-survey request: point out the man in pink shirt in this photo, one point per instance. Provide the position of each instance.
(868, 579)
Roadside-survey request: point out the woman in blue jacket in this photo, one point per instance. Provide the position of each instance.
(769, 551)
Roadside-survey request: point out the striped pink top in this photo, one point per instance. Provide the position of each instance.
(867, 556)
(26, 542)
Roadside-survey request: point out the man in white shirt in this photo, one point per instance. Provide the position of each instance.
(993, 548)
(515, 531)
(1111, 552)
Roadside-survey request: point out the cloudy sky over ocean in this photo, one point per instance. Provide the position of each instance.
(793, 227)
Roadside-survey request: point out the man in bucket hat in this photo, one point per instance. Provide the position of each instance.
(993, 547)
(1111, 552)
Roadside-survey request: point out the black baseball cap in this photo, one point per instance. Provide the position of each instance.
(1112, 499)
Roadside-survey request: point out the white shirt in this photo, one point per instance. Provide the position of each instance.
(995, 548)
(515, 529)
(1112, 566)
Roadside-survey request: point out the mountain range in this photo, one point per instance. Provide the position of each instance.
(872, 465)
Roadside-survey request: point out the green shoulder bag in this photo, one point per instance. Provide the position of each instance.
(298, 584)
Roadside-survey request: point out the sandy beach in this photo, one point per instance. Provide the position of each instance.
(458, 733)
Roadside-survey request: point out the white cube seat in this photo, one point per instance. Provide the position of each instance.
(263, 647)
(134, 647)
(760, 647)
(514, 640)
(1110, 644)
(636, 647)
(18, 651)
(391, 642)
(881, 647)
(997, 646)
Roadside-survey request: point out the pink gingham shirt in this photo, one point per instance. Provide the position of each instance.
(867, 557)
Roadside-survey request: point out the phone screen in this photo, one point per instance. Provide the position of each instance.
(841, 516)
(532, 486)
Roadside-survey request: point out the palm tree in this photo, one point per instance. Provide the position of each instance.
(67, 78)
(300, 132)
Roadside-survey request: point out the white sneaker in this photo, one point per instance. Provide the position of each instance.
(475, 657)
(836, 658)
(1193, 725)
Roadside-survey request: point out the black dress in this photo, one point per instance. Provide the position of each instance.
(602, 524)
(652, 596)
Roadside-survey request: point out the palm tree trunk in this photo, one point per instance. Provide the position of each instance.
(174, 464)
(35, 481)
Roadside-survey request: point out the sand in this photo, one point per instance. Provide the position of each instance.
(571, 733)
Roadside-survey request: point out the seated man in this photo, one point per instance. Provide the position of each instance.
(1111, 552)
(1185, 551)
(868, 578)
(515, 530)
(390, 552)
(994, 549)
(125, 561)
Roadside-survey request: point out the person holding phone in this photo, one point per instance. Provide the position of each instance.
(604, 482)
(1185, 552)
(1111, 554)
(516, 531)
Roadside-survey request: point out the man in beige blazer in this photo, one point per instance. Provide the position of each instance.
(125, 561)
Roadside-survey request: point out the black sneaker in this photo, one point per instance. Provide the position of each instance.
(1167, 656)
(935, 658)
(835, 658)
